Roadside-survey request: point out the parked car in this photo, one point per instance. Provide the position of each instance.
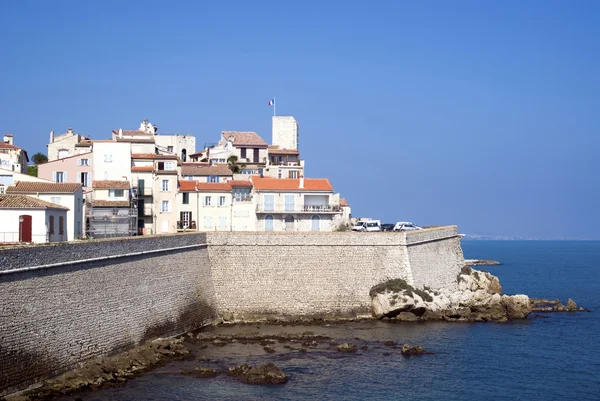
(406, 226)
(360, 226)
(387, 227)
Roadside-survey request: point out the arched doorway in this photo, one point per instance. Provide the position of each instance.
(289, 223)
(183, 155)
(315, 223)
(269, 223)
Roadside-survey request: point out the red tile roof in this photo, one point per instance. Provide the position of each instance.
(244, 138)
(135, 140)
(186, 185)
(214, 186)
(292, 184)
(132, 132)
(197, 170)
(142, 168)
(107, 203)
(276, 150)
(343, 202)
(26, 202)
(110, 184)
(4, 145)
(24, 187)
(240, 183)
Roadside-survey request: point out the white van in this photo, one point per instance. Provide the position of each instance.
(373, 225)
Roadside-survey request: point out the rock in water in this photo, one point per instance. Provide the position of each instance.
(517, 306)
(267, 373)
(571, 305)
(346, 347)
(407, 349)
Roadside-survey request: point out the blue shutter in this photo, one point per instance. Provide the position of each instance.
(289, 203)
(269, 203)
(269, 223)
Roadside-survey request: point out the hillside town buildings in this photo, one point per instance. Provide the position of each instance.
(141, 182)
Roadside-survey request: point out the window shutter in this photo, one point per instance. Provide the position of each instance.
(54, 176)
(79, 162)
(65, 177)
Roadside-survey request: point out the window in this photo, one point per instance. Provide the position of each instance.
(108, 158)
(241, 195)
(213, 178)
(51, 224)
(206, 201)
(222, 223)
(60, 176)
(207, 222)
(115, 193)
(315, 223)
(289, 203)
(55, 200)
(186, 198)
(61, 225)
(279, 174)
(243, 153)
(186, 218)
(62, 153)
(293, 174)
(85, 179)
(269, 203)
(170, 149)
(106, 175)
(221, 201)
(164, 186)
(170, 166)
(269, 223)
(164, 206)
(183, 155)
(84, 162)
(256, 155)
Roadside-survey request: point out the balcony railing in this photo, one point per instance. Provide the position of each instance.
(242, 198)
(267, 208)
(145, 191)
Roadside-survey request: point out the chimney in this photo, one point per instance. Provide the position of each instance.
(51, 136)
(69, 130)
(301, 184)
(120, 132)
(8, 138)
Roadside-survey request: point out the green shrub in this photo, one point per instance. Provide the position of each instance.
(393, 285)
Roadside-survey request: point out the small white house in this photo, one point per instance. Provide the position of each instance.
(30, 220)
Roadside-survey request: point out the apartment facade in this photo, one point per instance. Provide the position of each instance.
(12, 157)
(64, 145)
(76, 169)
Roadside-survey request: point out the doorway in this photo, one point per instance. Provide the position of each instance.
(289, 223)
(25, 231)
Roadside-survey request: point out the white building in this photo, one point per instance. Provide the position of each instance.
(67, 195)
(12, 157)
(31, 220)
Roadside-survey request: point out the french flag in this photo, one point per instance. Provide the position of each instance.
(272, 102)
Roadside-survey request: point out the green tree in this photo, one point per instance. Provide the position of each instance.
(32, 170)
(232, 163)
(39, 158)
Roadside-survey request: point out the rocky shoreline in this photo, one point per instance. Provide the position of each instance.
(481, 262)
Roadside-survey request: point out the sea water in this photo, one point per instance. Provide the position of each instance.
(557, 358)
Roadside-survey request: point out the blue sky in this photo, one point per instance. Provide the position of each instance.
(481, 114)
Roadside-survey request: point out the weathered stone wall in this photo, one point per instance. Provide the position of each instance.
(53, 318)
(261, 273)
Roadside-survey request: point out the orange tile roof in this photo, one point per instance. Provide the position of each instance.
(110, 184)
(292, 184)
(26, 202)
(142, 168)
(25, 187)
(276, 150)
(214, 186)
(4, 145)
(107, 203)
(132, 132)
(343, 202)
(244, 138)
(135, 140)
(240, 183)
(217, 169)
(153, 156)
(186, 185)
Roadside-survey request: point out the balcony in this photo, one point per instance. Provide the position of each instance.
(145, 191)
(147, 210)
(298, 209)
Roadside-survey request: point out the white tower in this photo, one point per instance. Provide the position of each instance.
(285, 132)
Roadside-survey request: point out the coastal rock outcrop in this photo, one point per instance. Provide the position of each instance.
(478, 299)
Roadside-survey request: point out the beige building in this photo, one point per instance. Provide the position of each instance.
(111, 209)
(63, 194)
(205, 173)
(295, 204)
(76, 169)
(12, 157)
(64, 145)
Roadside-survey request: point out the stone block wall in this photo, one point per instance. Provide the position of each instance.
(53, 318)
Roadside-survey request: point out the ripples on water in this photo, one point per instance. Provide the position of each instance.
(537, 359)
